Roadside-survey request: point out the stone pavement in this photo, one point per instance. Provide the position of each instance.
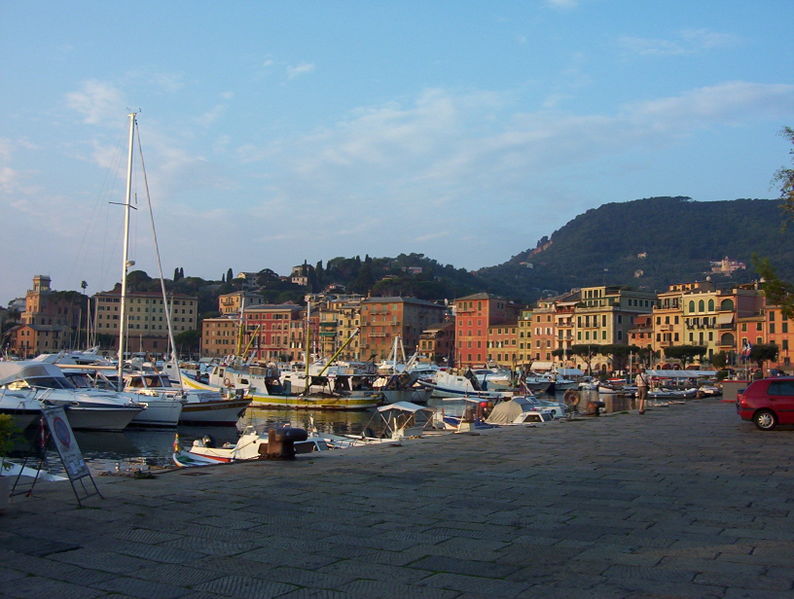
(685, 501)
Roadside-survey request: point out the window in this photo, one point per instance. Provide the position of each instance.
(701, 306)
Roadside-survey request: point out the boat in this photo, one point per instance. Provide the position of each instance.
(518, 410)
(251, 445)
(447, 384)
(21, 405)
(162, 409)
(463, 414)
(264, 387)
(86, 409)
(199, 407)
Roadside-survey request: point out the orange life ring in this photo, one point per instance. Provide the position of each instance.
(227, 382)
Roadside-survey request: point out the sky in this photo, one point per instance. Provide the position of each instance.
(274, 133)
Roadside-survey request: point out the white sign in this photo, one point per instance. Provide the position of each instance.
(63, 437)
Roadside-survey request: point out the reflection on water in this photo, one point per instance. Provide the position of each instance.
(128, 449)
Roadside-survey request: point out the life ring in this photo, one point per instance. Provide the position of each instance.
(571, 398)
(227, 382)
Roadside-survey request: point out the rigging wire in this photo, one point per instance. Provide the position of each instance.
(166, 307)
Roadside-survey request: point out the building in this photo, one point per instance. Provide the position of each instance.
(503, 345)
(220, 336)
(339, 323)
(147, 321)
(544, 335)
(231, 303)
(437, 343)
(269, 332)
(780, 331)
(385, 318)
(52, 321)
(474, 315)
(604, 315)
(524, 341)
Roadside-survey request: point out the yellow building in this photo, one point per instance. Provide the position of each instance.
(147, 327)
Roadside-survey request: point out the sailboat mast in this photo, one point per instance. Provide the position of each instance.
(125, 255)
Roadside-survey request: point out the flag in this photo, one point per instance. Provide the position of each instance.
(746, 349)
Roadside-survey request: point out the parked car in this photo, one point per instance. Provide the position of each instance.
(767, 402)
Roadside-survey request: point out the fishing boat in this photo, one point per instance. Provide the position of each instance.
(263, 387)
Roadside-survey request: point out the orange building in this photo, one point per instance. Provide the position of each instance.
(474, 315)
(385, 318)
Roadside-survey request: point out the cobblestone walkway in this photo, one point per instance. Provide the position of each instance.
(685, 501)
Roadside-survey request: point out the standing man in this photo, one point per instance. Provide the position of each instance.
(641, 381)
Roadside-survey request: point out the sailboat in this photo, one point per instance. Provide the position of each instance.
(186, 407)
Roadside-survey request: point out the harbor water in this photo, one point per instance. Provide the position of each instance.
(134, 449)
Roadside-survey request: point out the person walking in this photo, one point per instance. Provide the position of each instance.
(641, 381)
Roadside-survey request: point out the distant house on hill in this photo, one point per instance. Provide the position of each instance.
(726, 266)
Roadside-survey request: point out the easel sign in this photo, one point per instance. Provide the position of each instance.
(71, 456)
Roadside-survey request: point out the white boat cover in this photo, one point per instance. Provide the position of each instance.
(22, 369)
(505, 412)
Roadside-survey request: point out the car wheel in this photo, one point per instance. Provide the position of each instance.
(765, 420)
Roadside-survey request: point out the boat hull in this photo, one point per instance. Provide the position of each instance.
(92, 418)
(299, 402)
(224, 412)
(159, 412)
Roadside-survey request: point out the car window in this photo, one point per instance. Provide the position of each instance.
(781, 388)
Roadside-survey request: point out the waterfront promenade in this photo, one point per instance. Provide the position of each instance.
(685, 501)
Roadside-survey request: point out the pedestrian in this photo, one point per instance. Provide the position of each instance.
(641, 381)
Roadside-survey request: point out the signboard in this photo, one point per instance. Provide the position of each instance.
(63, 437)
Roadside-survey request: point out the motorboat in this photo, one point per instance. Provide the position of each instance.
(21, 405)
(162, 410)
(86, 409)
(463, 414)
(251, 445)
(199, 407)
(519, 410)
(447, 384)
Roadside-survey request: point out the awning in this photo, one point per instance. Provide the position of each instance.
(542, 365)
(681, 374)
(725, 318)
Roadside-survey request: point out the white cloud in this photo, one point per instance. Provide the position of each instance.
(303, 68)
(96, 102)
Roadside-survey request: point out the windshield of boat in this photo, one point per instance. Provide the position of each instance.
(79, 379)
(44, 382)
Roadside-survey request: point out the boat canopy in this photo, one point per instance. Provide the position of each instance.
(405, 406)
(25, 369)
(681, 374)
(542, 365)
(570, 372)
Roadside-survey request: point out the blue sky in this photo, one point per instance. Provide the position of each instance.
(278, 132)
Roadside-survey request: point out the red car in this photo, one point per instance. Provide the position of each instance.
(767, 402)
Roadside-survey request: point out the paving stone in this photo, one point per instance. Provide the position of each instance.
(145, 589)
(245, 587)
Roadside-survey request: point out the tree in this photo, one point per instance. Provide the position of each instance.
(187, 342)
(777, 292)
(785, 178)
(229, 275)
(685, 353)
(762, 352)
(719, 360)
